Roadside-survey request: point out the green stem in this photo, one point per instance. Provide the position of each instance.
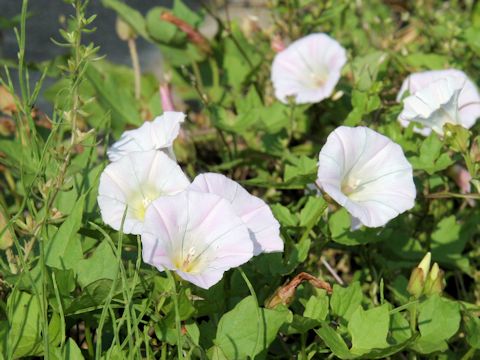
(413, 317)
(178, 323)
(469, 354)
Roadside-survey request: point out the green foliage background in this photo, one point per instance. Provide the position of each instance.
(72, 288)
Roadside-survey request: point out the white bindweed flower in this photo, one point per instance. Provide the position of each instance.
(308, 69)
(158, 134)
(255, 213)
(366, 173)
(196, 234)
(438, 97)
(135, 181)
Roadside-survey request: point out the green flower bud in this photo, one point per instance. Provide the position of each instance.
(418, 277)
(416, 282)
(124, 30)
(435, 281)
(425, 264)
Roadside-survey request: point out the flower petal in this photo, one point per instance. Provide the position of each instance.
(264, 228)
(155, 135)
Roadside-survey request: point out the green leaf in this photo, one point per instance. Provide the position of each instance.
(426, 61)
(340, 229)
(101, 265)
(24, 336)
(301, 172)
(186, 14)
(92, 297)
(363, 103)
(448, 243)
(312, 211)
(438, 320)
(64, 250)
(72, 351)
(284, 215)
(113, 96)
(239, 329)
(317, 307)
(297, 254)
(334, 342)
(472, 328)
(216, 353)
(163, 31)
(431, 158)
(300, 325)
(369, 329)
(131, 16)
(345, 301)
(366, 68)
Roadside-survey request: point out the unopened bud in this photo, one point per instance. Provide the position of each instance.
(425, 264)
(462, 178)
(124, 30)
(416, 283)
(418, 277)
(277, 44)
(435, 281)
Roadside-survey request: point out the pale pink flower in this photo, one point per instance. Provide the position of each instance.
(308, 69)
(158, 134)
(197, 235)
(438, 97)
(132, 183)
(256, 214)
(367, 174)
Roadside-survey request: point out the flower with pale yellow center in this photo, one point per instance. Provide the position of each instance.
(308, 69)
(132, 183)
(196, 234)
(367, 174)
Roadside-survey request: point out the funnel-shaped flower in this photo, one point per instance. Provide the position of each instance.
(366, 173)
(134, 181)
(196, 234)
(158, 134)
(308, 69)
(433, 106)
(255, 213)
(447, 96)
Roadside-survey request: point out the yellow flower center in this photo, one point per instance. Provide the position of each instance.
(188, 263)
(349, 185)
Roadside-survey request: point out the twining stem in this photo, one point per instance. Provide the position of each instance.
(178, 323)
(137, 73)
